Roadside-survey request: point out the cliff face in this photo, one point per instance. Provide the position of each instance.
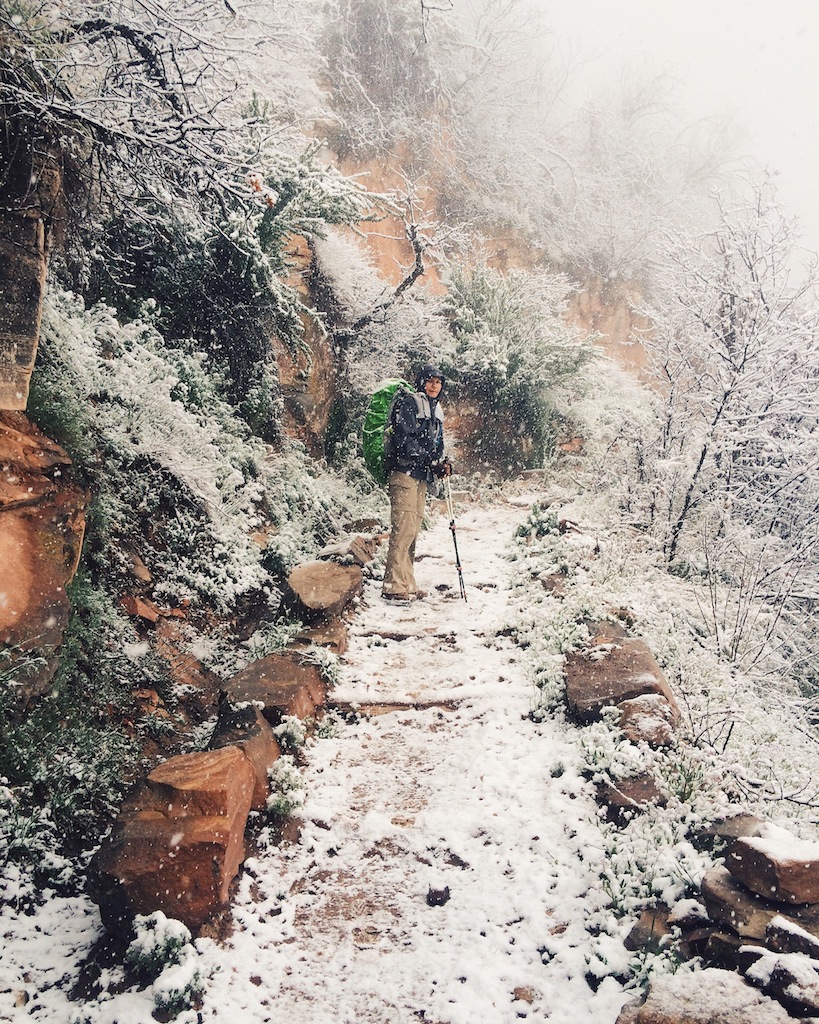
(42, 522)
(610, 309)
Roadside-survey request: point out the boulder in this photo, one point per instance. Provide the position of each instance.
(246, 728)
(280, 684)
(42, 524)
(178, 841)
(736, 825)
(777, 866)
(317, 591)
(629, 796)
(649, 931)
(784, 936)
(611, 672)
(711, 996)
(332, 635)
(649, 719)
(749, 915)
(788, 978)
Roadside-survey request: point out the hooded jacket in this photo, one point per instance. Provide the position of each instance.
(418, 426)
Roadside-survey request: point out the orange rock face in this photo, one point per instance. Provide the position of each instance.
(42, 523)
(178, 842)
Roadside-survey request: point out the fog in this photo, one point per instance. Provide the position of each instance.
(751, 60)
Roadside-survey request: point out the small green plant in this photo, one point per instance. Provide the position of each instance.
(287, 788)
(161, 954)
(291, 732)
(325, 661)
(270, 638)
(542, 521)
(328, 725)
(158, 942)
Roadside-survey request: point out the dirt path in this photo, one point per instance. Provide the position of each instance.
(443, 860)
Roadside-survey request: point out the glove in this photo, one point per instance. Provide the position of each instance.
(442, 469)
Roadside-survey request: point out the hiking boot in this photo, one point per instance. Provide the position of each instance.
(405, 598)
(419, 595)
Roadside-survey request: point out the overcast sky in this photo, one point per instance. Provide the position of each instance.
(757, 59)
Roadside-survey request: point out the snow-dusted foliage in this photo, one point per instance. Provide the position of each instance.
(511, 353)
(161, 447)
(729, 479)
(162, 953)
(171, 462)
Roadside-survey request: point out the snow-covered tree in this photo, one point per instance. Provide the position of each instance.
(735, 347)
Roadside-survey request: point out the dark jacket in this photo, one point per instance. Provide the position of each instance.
(418, 426)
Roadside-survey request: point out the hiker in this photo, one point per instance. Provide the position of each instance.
(417, 459)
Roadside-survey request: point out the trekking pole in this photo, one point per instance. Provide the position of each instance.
(454, 538)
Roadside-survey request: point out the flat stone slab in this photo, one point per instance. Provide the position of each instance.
(280, 685)
(322, 590)
(729, 903)
(609, 673)
(711, 996)
(776, 865)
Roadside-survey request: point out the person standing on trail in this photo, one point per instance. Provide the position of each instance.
(417, 424)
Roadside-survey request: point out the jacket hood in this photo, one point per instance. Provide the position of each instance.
(429, 370)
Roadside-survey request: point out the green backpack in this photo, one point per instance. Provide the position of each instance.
(377, 434)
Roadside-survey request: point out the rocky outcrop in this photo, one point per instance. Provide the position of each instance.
(733, 906)
(178, 842)
(179, 839)
(42, 523)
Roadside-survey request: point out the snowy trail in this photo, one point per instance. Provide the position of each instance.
(441, 868)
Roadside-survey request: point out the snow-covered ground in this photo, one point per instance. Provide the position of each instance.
(449, 795)
(452, 864)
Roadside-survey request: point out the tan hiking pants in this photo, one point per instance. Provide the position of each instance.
(407, 501)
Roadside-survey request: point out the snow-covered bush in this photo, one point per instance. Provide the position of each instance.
(512, 352)
(287, 787)
(325, 660)
(291, 732)
(161, 954)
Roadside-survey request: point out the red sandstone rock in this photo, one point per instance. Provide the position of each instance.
(649, 719)
(332, 635)
(730, 903)
(139, 608)
(281, 685)
(629, 796)
(610, 673)
(178, 842)
(42, 523)
(649, 931)
(322, 590)
(247, 729)
(360, 549)
(777, 866)
(784, 936)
